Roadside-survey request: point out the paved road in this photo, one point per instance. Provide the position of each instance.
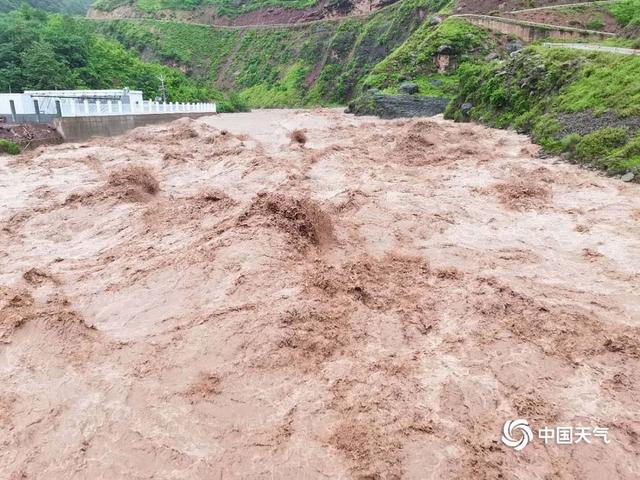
(526, 23)
(564, 5)
(595, 48)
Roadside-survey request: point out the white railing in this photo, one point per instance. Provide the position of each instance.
(97, 108)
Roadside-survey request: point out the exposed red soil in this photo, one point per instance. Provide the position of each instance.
(323, 9)
(502, 6)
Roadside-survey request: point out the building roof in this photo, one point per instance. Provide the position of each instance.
(113, 93)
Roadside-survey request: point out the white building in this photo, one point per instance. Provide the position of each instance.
(24, 102)
(80, 103)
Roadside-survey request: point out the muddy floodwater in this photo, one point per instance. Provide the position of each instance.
(304, 294)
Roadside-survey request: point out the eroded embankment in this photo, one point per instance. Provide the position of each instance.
(297, 294)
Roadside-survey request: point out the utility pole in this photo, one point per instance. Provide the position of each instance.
(163, 91)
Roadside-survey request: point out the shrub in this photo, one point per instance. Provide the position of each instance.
(626, 11)
(545, 131)
(595, 24)
(7, 146)
(626, 157)
(600, 143)
(568, 143)
(631, 149)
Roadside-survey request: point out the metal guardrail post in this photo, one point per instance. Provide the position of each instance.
(14, 117)
(37, 109)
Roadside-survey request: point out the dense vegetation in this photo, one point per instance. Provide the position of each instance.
(584, 105)
(626, 12)
(51, 51)
(71, 7)
(7, 146)
(312, 64)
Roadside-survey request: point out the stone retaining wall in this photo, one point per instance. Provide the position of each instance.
(79, 129)
(529, 32)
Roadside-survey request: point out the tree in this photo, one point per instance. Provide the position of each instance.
(42, 69)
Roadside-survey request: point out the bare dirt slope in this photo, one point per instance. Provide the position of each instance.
(575, 19)
(228, 298)
(273, 15)
(501, 6)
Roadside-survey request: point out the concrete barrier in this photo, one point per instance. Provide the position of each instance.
(79, 129)
(530, 31)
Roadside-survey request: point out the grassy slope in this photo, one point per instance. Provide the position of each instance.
(71, 7)
(313, 64)
(414, 59)
(532, 90)
(626, 12)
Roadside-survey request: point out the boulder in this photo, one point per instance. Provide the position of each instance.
(627, 177)
(435, 20)
(444, 50)
(397, 106)
(514, 46)
(466, 106)
(408, 88)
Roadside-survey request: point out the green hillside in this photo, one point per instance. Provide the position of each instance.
(70, 7)
(585, 106)
(51, 51)
(312, 64)
(414, 60)
(582, 105)
(627, 13)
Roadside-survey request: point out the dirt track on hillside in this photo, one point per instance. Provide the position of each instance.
(222, 298)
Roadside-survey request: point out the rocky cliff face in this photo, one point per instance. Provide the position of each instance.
(397, 106)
